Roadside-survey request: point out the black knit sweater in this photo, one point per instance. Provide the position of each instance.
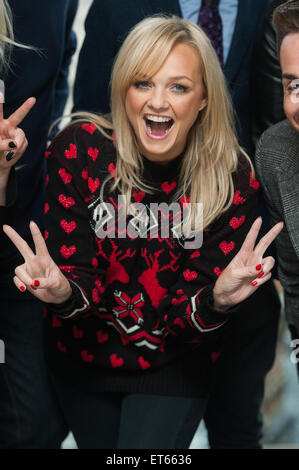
(140, 318)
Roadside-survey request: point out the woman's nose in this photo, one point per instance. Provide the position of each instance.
(158, 99)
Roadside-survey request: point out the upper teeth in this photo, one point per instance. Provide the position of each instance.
(158, 118)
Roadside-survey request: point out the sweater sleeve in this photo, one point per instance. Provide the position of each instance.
(68, 234)
(188, 311)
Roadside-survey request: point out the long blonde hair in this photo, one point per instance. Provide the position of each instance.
(6, 34)
(212, 149)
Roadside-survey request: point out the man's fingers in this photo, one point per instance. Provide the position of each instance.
(21, 112)
(18, 241)
(267, 239)
(249, 242)
(39, 242)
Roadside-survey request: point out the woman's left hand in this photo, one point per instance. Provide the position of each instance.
(247, 270)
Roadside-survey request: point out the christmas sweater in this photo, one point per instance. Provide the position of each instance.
(141, 315)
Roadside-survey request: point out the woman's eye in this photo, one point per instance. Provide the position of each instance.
(141, 84)
(179, 88)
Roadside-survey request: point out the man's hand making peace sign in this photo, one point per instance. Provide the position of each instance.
(13, 142)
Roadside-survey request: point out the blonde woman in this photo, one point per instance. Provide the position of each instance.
(136, 318)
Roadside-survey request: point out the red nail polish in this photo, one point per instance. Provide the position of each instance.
(254, 283)
(32, 287)
(259, 267)
(36, 283)
(260, 275)
(22, 288)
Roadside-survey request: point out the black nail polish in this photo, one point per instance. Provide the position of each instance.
(9, 156)
(12, 145)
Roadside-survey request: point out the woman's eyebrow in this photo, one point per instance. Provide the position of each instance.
(180, 77)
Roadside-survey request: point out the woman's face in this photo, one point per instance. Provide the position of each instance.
(162, 109)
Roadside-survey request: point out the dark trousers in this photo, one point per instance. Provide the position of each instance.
(129, 421)
(30, 416)
(233, 416)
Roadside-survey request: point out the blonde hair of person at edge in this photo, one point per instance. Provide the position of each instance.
(164, 63)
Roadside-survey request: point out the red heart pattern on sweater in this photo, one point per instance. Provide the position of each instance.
(238, 199)
(218, 271)
(93, 153)
(86, 356)
(61, 347)
(89, 128)
(226, 248)
(215, 355)
(112, 170)
(72, 152)
(47, 154)
(190, 275)
(67, 202)
(65, 176)
(96, 296)
(68, 227)
(56, 322)
(168, 188)
(196, 254)
(116, 361)
(68, 251)
(102, 337)
(138, 195)
(235, 223)
(84, 174)
(93, 184)
(253, 182)
(47, 208)
(77, 333)
(143, 363)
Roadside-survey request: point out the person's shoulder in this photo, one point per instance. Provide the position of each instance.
(278, 145)
(279, 131)
(84, 135)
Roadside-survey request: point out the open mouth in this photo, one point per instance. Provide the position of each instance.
(158, 127)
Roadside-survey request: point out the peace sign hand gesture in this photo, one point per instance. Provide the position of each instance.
(13, 142)
(39, 274)
(247, 270)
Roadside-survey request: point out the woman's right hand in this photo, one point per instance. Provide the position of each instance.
(39, 274)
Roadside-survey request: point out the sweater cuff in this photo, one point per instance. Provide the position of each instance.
(76, 304)
(209, 304)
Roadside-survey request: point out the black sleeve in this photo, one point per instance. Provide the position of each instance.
(61, 87)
